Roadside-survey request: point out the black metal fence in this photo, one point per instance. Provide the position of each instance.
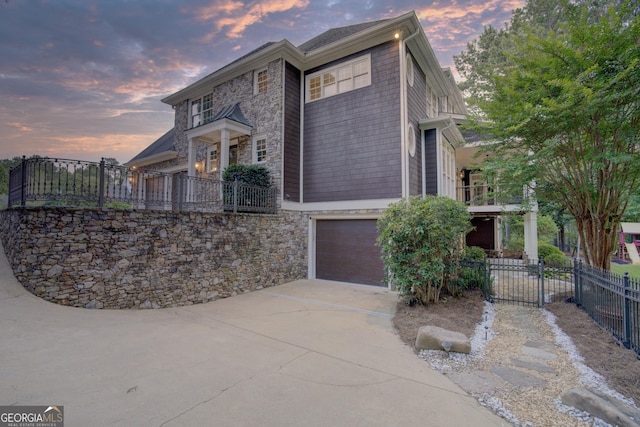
(76, 183)
(612, 300)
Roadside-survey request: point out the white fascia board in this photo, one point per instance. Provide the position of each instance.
(217, 126)
(282, 49)
(364, 39)
(156, 158)
(338, 206)
(428, 61)
(435, 123)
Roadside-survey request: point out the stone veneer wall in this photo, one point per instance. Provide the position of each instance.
(102, 258)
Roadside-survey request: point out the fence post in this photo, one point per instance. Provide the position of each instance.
(541, 295)
(23, 182)
(101, 185)
(577, 292)
(235, 196)
(626, 315)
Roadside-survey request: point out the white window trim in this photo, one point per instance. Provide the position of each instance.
(254, 148)
(200, 114)
(334, 70)
(256, 73)
(410, 70)
(411, 140)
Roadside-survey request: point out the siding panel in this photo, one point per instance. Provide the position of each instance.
(431, 166)
(417, 110)
(351, 140)
(292, 134)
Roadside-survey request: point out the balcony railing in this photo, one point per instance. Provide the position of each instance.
(75, 183)
(485, 195)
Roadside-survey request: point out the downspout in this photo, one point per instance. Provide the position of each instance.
(404, 116)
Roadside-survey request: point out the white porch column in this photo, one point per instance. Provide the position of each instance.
(191, 165)
(224, 149)
(191, 172)
(531, 235)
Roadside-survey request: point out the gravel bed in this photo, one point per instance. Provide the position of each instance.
(501, 335)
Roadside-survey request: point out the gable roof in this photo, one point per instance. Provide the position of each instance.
(161, 149)
(335, 34)
(329, 46)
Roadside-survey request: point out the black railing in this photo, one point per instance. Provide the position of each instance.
(75, 183)
(612, 300)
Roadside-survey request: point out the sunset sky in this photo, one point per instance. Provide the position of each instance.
(83, 79)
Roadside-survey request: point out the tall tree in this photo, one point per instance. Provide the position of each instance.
(564, 107)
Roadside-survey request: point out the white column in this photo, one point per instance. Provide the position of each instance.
(191, 172)
(191, 165)
(531, 235)
(224, 149)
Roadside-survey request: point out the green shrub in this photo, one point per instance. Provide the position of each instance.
(469, 277)
(421, 241)
(556, 259)
(473, 253)
(257, 175)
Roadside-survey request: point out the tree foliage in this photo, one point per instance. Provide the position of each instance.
(563, 106)
(421, 241)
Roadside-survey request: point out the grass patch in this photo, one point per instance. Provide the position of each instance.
(633, 270)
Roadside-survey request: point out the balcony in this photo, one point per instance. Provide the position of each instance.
(484, 198)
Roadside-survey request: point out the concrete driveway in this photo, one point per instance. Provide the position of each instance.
(307, 353)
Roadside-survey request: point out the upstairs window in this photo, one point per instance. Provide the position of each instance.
(338, 79)
(260, 83)
(443, 104)
(259, 149)
(431, 103)
(201, 110)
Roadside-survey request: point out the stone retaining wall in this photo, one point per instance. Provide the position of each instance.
(103, 258)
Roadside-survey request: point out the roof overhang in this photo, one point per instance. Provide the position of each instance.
(282, 49)
(630, 227)
(156, 158)
(235, 129)
(405, 25)
(448, 125)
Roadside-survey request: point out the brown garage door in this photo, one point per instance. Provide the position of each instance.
(346, 251)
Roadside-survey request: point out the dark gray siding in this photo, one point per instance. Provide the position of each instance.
(431, 158)
(352, 140)
(417, 110)
(292, 133)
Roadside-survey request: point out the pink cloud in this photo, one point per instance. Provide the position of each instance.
(234, 17)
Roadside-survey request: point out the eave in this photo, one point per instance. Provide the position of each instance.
(283, 49)
(156, 158)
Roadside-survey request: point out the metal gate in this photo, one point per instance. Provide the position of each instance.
(529, 283)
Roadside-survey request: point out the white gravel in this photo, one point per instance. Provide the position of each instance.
(515, 404)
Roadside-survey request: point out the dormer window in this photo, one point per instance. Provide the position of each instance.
(261, 80)
(338, 79)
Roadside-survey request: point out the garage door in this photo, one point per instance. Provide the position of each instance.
(346, 251)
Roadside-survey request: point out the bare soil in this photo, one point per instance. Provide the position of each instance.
(601, 352)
